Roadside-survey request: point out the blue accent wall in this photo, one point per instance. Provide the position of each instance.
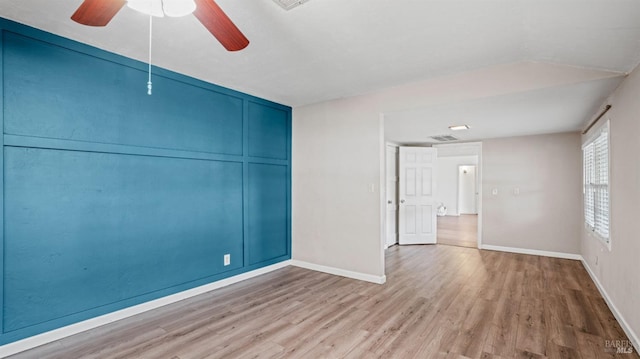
(112, 197)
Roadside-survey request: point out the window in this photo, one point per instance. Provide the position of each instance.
(595, 156)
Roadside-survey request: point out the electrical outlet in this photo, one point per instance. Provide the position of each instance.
(227, 259)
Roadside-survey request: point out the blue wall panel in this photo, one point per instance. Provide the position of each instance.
(268, 131)
(267, 199)
(86, 98)
(112, 197)
(87, 229)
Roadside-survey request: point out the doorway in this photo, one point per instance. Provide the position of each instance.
(459, 191)
(461, 224)
(461, 228)
(467, 193)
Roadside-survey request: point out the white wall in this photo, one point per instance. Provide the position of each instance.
(618, 270)
(447, 180)
(336, 158)
(546, 214)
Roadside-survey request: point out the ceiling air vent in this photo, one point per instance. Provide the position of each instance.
(290, 4)
(444, 138)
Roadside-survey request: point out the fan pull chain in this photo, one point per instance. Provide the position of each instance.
(149, 84)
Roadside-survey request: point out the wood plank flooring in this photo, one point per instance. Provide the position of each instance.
(458, 230)
(438, 302)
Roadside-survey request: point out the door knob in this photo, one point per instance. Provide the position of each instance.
(402, 201)
(389, 201)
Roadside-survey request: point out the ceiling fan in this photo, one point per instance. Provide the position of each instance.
(100, 12)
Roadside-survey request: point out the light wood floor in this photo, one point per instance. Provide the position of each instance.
(458, 230)
(438, 302)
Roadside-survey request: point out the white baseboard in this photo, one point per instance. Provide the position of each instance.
(57, 334)
(340, 272)
(616, 313)
(534, 252)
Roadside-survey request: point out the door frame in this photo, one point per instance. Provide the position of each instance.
(397, 150)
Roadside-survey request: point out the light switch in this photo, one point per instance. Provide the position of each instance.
(494, 191)
(516, 191)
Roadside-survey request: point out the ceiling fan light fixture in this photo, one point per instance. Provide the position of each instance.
(147, 7)
(160, 8)
(178, 8)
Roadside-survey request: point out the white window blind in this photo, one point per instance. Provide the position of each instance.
(588, 162)
(596, 184)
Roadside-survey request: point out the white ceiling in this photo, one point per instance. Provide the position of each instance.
(327, 49)
(552, 109)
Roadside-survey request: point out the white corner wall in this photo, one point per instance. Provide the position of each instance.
(618, 271)
(336, 159)
(545, 215)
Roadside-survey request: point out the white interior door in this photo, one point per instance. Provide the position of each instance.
(392, 193)
(417, 215)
